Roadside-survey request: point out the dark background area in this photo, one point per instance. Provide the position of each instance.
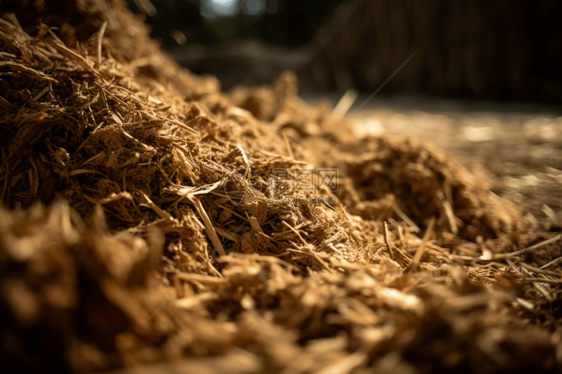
(289, 23)
(480, 49)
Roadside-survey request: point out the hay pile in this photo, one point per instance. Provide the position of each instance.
(143, 256)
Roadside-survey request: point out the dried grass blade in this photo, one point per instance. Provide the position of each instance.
(422, 246)
(210, 228)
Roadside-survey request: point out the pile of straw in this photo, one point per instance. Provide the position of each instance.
(142, 257)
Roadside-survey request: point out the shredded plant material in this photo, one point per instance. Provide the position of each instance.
(142, 227)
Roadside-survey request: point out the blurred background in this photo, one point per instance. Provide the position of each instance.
(480, 49)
